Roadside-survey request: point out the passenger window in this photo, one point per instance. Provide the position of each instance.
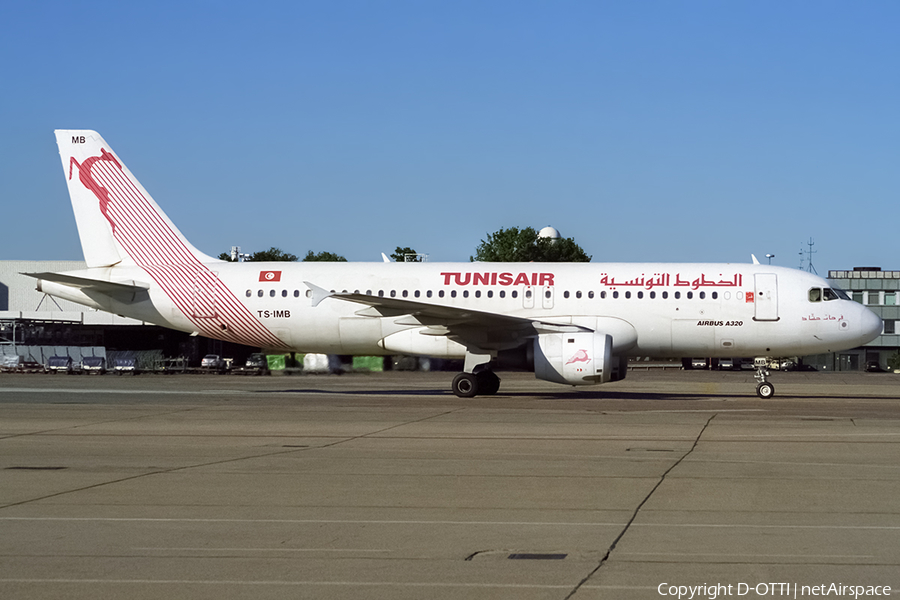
(441, 294)
(284, 293)
(478, 293)
(249, 293)
(417, 293)
(615, 294)
(640, 295)
(715, 295)
(405, 294)
(665, 295)
(465, 293)
(815, 295)
(296, 293)
(702, 295)
(578, 294)
(272, 293)
(393, 293)
(428, 293)
(690, 295)
(453, 294)
(514, 294)
(677, 295)
(628, 295)
(259, 293)
(490, 294)
(528, 293)
(566, 294)
(502, 293)
(652, 295)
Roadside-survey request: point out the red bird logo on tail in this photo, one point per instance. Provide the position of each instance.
(89, 181)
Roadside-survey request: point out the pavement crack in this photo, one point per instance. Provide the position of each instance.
(218, 462)
(395, 426)
(637, 510)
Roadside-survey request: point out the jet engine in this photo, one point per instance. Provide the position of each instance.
(581, 358)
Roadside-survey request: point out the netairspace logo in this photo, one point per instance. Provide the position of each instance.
(788, 590)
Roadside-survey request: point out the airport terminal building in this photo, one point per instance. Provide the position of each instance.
(40, 325)
(878, 290)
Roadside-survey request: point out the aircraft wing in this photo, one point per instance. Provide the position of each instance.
(95, 284)
(464, 323)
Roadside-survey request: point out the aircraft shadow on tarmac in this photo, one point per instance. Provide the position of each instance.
(564, 395)
(577, 395)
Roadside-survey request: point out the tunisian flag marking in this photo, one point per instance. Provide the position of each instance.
(270, 275)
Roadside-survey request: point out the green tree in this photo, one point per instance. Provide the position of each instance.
(399, 255)
(524, 245)
(323, 257)
(272, 255)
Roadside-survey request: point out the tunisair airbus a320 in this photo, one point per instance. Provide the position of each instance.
(574, 324)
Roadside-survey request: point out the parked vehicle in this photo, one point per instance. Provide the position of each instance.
(93, 364)
(214, 362)
(125, 365)
(699, 363)
(257, 363)
(57, 364)
(726, 364)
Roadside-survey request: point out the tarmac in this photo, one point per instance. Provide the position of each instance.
(388, 486)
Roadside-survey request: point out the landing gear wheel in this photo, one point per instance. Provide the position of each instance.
(765, 390)
(488, 383)
(465, 385)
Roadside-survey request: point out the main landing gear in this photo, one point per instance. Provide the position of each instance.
(469, 385)
(764, 389)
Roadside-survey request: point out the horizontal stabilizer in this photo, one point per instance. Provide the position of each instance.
(100, 285)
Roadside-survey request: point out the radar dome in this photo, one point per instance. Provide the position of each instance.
(549, 232)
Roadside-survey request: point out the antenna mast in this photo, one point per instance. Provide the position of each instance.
(810, 252)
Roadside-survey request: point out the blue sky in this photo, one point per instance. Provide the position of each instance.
(648, 131)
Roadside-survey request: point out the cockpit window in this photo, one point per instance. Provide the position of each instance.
(815, 295)
(829, 294)
(841, 294)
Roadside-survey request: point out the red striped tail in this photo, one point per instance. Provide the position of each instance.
(120, 223)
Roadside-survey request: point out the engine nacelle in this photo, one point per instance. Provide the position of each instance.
(582, 358)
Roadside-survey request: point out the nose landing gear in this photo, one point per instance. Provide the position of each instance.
(764, 389)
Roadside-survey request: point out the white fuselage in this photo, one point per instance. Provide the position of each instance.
(651, 309)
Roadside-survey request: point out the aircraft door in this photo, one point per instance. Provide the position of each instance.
(528, 297)
(204, 295)
(547, 296)
(765, 297)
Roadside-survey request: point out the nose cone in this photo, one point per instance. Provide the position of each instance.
(870, 326)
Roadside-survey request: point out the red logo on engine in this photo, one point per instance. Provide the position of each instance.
(580, 356)
(270, 276)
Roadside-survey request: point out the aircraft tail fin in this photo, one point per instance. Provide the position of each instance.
(117, 219)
